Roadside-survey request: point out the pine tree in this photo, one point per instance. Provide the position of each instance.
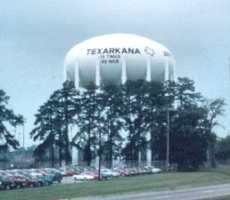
(8, 119)
(112, 110)
(53, 120)
(135, 111)
(86, 138)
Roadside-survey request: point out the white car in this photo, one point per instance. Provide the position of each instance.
(84, 176)
(155, 170)
(109, 172)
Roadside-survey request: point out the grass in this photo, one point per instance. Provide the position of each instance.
(220, 198)
(154, 182)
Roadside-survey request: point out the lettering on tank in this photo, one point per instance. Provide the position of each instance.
(99, 51)
(112, 55)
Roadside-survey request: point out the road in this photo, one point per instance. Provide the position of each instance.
(182, 194)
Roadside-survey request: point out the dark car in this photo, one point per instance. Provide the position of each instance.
(55, 174)
(7, 183)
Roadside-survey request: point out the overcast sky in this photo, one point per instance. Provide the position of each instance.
(35, 36)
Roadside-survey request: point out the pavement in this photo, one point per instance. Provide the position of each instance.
(207, 192)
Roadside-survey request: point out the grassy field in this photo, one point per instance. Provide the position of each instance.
(221, 198)
(154, 182)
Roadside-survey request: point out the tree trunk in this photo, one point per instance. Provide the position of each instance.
(110, 157)
(60, 156)
(66, 132)
(52, 156)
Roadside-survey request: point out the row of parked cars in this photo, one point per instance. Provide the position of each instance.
(28, 178)
(105, 173)
(25, 178)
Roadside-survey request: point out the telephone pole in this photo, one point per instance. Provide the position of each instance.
(168, 139)
(23, 136)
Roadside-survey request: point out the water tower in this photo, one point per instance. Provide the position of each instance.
(116, 58)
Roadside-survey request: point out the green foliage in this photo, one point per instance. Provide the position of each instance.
(8, 119)
(88, 123)
(223, 149)
(135, 112)
(111, 113)
(102, 117)
(52, 123)
(189, 139)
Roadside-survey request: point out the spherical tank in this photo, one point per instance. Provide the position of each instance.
(116, 58)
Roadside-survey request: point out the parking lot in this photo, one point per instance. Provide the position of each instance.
(28, 178)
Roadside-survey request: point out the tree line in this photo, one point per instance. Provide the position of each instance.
(121, 121)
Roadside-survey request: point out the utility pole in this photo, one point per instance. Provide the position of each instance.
(23, 136)
(168, 139)
(99, 154)
(167, 118)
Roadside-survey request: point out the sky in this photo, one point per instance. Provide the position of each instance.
(36, 35)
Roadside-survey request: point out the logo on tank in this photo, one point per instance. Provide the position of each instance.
(149, 51)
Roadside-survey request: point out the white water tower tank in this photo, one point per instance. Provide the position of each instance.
(115, 58)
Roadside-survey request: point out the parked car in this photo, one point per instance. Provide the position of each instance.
(109, 173)
(85, 176)
(56, 175)
(6, 183)
(156, 170)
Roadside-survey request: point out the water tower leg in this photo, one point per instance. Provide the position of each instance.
(149, 156)
(149, 151)
(75, 156)
(96, 161)
(139, 158)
